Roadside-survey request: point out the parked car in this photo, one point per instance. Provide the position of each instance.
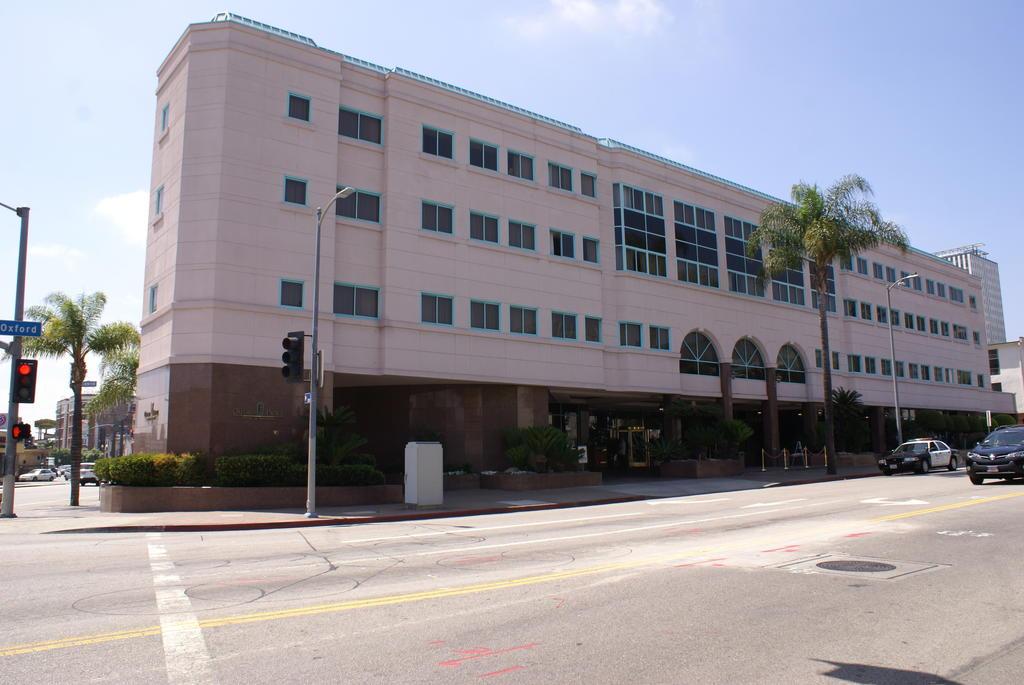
(87, 476)
(999, 455)
(38, 474)
(921, 456)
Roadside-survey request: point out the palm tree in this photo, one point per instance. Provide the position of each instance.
(849, 413)
(819, 227)
(72, 327)
(119, 368)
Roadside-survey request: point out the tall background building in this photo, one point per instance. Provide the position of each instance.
(975, 261)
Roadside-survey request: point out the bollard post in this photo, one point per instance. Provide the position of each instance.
(785, 459)
(763, 469)
(805, 457)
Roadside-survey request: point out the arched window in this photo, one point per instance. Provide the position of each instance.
(789, 366)
(698, 356)
(747, 361)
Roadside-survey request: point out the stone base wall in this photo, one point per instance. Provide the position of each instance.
(466, 481)
(705, 468)
(126, 499)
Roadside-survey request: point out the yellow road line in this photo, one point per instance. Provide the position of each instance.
(945, 507)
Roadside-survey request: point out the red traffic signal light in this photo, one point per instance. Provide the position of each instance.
(294, 348)
(20, 431)
(25, 381)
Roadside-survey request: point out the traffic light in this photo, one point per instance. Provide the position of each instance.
(293, 356)
(25, 381)
(21, 431)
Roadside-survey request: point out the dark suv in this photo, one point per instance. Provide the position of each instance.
(1000, 455)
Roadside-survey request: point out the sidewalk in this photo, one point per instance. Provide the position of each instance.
(88, 518)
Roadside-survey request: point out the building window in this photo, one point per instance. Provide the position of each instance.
(981, 380)
(963, 377)
(563, 244)
(940, 289)
(592, 324)
(900, 369)
(890, 274)
(862, 266)
(894, 315)
(915, 283)
(790, 366)
(878, 270)
(696, 245)
(483, 227)
(298, 107)
(355, 300)
(865, 311)
(959, 332)
(359, 125)
(938, 374)
(559, 176)
(997, 387)
(830, 285)
(853, 363)
(846, 263)
(291, 293)
(747, 361)
(789, 287)
(870, 365)
(563, 325)
(483, 155)
(152, 299)
(744, 271)
(438, 218)
(835, 361)
(165, 117)
(436, 309)
(993, 362)
(588, 184)
(881, 314)
(522, 320)
(945, 328)
(698, 356)
(886, 367)
(915, 371)
(521, 235)
(158, 201)
(591, 251)
(659, 338)
(977, 337)
(362, 205)
(920, 323)
(520, 165)
(850, 308)
(926, 372)
(933, 326)
(930, 286)
(908, 321)
(956, 295)
(640, 243)
(973, 301)
(484, 316)
(438, 142)
(295, 191)
(817, 358)
(630, 334)
(949, 375)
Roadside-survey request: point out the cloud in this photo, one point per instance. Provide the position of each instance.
(621, 17)
(128, 212)
(69, 256)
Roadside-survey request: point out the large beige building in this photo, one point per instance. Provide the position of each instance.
(494, 268)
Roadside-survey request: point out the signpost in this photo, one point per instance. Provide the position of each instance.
(88, 384)
(23, 329)
(17, 328)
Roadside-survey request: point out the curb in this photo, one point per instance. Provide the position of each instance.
(825, 479)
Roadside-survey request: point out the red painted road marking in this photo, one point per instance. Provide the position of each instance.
(560, 600)
(698, 563)
(480, 652)
(436, 642)
(476, 560)
(510, 669)
(857, 535)
(787, 548)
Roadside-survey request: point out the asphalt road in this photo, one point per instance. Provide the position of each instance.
(722, 588)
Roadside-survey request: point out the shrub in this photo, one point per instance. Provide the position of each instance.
(248, 470)
(150, 470)
(701, 439)
(348, 474)
(662, 450)
(1003, 420)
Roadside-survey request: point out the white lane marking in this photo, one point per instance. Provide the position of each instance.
(656, 502)
(961, 533)
(185, 654)
(893, 502)
(774, 504)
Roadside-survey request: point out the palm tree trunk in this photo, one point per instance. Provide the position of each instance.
(821, 284)
(76, 442)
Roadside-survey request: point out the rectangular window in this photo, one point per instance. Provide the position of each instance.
(295, 191)
(973, 301)
(520, 165)
(963, 377)
(948, 375)
(933, 326)
(788, 286)
(298, 107)
(291, 293)
(959, 332)
(981, 380)
(521, 235)
(743, 270)
(862, 266)
(878, 270)
(835, 361)
(930, 286)
(483, 227)
(882, 314)
(945, 329)
(484, 316)
(359, 125)
(894, 316)
(563, 244)
(483, 155)
(846, 264)
(817, 358)
(853, 363)
(870, 365)
(522, 320)
(563, 325)
(926, 372)
(993, 362)
(639, 220)
(165, 117)
(152, 299)
(940, 289)
(696, 245)
(865, 312)
(158, 201)
(438, 142)
(559, 176)
(915, 371)
(886, 367)
(890, 274)
(850, 308)
(629, 334)
(915, 283)
(830, 285)
(956, 295)
(977, 337)
(362, 205)
(997, 387)
(591, 251)
(938, 374)
(355, 300)
(436, 309)
(920, 323)
(588, 184)
(900, 371)
(908, 321)
(659, 338)
(593, 329)
(438, 218)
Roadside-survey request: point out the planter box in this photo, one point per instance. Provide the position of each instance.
(539, 481)
(127, 499)
(857, 459)
(705, 468)
(464, 481)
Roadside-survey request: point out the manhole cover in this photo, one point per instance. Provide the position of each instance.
(856, 566)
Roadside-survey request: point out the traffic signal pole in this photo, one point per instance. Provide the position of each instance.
(10, 454)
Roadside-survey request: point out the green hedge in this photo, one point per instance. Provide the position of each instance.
(150, 470)
(255, 470)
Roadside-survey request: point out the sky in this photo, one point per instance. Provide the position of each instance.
(922, 97)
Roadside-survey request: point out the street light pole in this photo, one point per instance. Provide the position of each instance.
(314, 376)
(14, 349)
(892, 351)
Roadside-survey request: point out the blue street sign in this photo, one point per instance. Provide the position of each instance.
(25, 329)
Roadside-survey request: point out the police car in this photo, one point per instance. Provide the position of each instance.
(921, 456)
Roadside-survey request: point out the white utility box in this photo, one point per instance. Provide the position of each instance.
(424, 474)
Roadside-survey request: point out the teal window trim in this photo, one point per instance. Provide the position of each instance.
(152, 298)
(353, 315)
(497, 240)
(361, 113)
(623, 343)
(469, 154)
(434, 203)
(576, 326)
(288, 106)
(524, 224)
(560, 232)
(357, 193)
(533, 164)
(280, 292)
(583, 252)
(158, 201)
(600, 324)
(652, 326)
(536, 320)
(560, 167)
(165, 117)
(484, 328)
(450, 298)
(284, 193)
(592, 175)
(427, 127)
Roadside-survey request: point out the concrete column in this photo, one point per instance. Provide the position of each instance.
(669, 423)
(771, 412)
(725, 376)
(877, 416)
(809, 410)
